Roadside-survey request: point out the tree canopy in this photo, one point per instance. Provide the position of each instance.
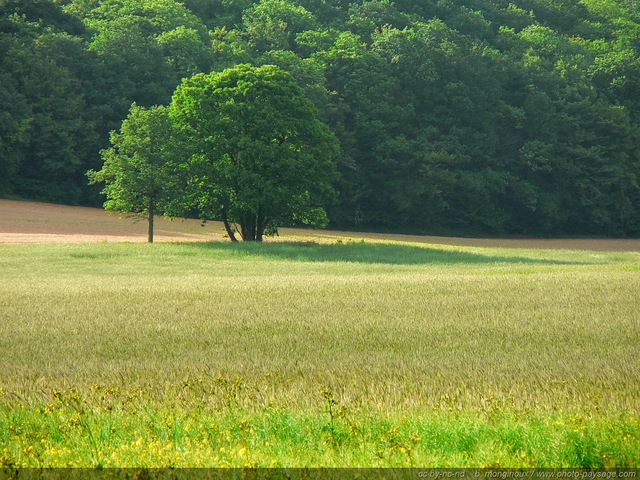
(139, 169)
(259, 156)
(451, 116)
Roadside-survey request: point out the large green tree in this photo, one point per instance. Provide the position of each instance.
(138, 169)
(258, 154)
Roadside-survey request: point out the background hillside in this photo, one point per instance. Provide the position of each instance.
(466, 117)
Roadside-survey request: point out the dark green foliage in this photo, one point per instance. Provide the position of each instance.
(45, 13)
(47, 135)
(467, 117)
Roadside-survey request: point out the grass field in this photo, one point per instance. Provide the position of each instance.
(334, 353)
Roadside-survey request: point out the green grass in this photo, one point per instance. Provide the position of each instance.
(307, 354)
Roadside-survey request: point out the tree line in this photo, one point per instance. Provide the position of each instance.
(450, 116)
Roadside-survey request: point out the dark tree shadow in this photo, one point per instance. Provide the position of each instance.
(362, 252)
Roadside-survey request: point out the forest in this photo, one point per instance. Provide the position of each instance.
(466, 117)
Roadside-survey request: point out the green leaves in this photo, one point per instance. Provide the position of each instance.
(273, 24)
(139, 169)
(467, 117)
(259, 153)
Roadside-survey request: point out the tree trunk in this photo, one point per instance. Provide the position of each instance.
(227, 227)
(229, 230)
(248, 228)
(259, 225)
(254, 227)
(151, 214)
(244, 233)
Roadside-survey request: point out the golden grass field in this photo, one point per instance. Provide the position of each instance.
(319, 349)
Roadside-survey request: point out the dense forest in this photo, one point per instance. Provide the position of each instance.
(452, 116)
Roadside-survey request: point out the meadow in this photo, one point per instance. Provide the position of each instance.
(331, 353)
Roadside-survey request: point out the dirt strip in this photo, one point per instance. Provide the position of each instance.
(35, 222)
(42, 223)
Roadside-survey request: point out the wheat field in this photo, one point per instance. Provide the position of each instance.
(344, 352)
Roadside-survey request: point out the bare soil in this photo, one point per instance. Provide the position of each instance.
(34, 222)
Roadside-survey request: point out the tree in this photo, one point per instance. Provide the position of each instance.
(148, 45)
(272, 24)
(138, 167)
(465, 117)
(46, 136)
(258, 154)
(13, 132)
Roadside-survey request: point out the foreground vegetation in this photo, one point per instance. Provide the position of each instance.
(308, 354)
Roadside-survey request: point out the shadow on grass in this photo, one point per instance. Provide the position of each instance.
(363, 253)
